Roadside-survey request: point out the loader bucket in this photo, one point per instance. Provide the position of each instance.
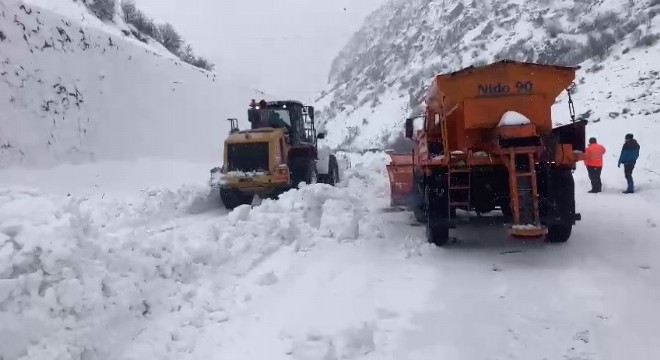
(400, 172)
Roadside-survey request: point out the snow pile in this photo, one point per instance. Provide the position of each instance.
(75, 278)
(84, 278)
(73, 89)
(513, 118)
(323, 273)
(525, 227)
(349, 344)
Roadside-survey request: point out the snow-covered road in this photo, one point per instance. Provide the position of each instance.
(138, 261)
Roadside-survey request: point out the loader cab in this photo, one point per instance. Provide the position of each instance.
(296, 119)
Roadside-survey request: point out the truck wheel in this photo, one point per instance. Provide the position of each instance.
(563, 196)
(437, 211)
(418, 207)
(559, 233)
(505, 207)
(418, 212)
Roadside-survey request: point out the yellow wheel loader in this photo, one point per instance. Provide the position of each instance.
(276, 154)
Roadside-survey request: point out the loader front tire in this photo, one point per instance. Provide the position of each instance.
(303, 170)
(232, 199)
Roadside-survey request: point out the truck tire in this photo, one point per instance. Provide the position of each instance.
(563, 192)
(436, 201)
(419, 213)
(418, 206)
(232, 199)
(559, 233)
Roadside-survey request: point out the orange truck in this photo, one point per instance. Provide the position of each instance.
(486, 142)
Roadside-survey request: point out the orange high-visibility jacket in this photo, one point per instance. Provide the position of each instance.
(593, 156)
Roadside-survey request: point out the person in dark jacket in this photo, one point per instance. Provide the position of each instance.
(629, 156)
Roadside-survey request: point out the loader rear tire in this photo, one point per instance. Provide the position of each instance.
(332, 177)
(303, 170)
(437, 211)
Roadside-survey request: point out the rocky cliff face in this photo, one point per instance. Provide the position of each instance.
(379, 77)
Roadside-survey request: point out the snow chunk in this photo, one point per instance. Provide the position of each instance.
(349, 344)
(513, 118)
(268, 278)
(241, 213)
(245, 174)
(525, 227)
(356, 342)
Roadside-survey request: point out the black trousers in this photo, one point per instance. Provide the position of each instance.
(594, 176)
(628, 170)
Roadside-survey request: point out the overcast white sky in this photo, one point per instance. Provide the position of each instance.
(283, 47)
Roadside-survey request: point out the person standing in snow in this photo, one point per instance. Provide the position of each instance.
(629, 155)
(593, 159)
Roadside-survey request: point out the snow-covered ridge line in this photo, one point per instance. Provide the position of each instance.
(73, 92)
(381, 75)
(125, 19)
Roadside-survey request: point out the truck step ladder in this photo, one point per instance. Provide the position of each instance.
(460, 185)
(524, 195)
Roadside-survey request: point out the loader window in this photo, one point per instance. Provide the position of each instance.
(279, 118)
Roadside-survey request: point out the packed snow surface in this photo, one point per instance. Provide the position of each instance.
(513, 118)
(137, 259)
(104, 267)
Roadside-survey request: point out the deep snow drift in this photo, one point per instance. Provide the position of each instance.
(115, 271)
(75, 89)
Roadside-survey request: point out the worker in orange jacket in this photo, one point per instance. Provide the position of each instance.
(593, 159)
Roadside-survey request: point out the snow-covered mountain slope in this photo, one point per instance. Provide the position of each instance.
(380, 76)
(75, 89)
(323, 273)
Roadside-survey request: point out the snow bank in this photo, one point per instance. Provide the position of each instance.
(101, 278)
(513, 118)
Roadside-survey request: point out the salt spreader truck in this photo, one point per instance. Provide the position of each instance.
(486, 142)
